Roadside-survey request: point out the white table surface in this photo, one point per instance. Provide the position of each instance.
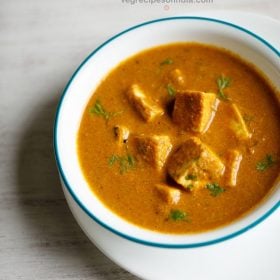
(41, 44)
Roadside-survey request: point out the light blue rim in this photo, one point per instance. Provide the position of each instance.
(144, 242)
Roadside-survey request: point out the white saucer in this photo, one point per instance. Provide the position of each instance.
(254, 255)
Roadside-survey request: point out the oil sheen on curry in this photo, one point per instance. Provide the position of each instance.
(181, 138)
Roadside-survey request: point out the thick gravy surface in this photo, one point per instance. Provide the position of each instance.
(126, 182)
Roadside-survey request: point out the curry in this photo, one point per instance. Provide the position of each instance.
(181, 138)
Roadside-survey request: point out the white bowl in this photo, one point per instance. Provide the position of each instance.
(98, 64)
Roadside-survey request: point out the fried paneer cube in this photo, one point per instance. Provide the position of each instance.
(194, 164)
(194, 110)
(233, 160)
(168, 194)
(154, 149)
(237, 123)
(147, 108)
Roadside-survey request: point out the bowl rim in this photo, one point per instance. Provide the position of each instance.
(68, 186)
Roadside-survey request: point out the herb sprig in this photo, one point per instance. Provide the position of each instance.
(167, 61)
(100, 111)
(266, 163)
(215, 189)
(125, 162)
(178, 215)
(223, 82)
(171, 90)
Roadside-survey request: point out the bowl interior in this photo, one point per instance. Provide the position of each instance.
(110, 54)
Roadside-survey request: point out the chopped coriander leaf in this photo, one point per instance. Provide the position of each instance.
(222, 83)
(112, 159)
(170, 90)
(215, 189)
(222, 96)
(99, 110)
(125, 162)
(190, 186)
(130, 160)
(266, 163)
(167, 61)
(177, 215)
(191, 177)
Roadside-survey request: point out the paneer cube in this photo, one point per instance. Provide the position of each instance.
(195, 164)
(233, 160)
(154, 149)
(194, 110)
(237, 123)
(147, 108)
(168, 194)
(121, 134)
(177, 78)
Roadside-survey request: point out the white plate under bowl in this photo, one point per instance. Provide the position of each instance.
(212, 262)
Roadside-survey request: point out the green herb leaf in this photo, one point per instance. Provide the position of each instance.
(215, 189)
(177, 215)
(130, 160)
(112, 159)
(170, 90)
(266, 163)
(167, 61)
(191, 177)
(125, 162)
(222, 83)
(100, 111)
(222, 96)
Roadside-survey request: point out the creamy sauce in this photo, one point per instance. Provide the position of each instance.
(132, 194)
